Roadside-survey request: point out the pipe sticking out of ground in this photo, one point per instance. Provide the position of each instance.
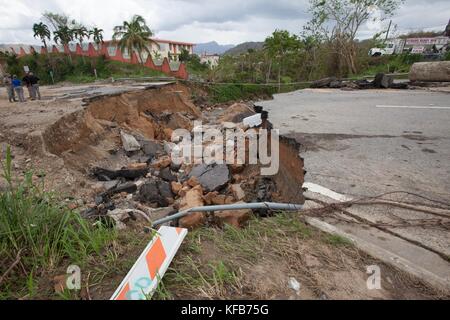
(237, 206)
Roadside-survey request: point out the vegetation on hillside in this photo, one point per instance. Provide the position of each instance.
(327, 46)
(75, 69)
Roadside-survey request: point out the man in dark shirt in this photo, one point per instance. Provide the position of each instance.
(34, 82)
(26, 82)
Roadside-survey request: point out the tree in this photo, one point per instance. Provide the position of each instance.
(278, 46)
(156, 55)
(345, 17)
(41, 31)
(184, 55)
(81, 33)
(97, 35)
(64, 35)
(57, 20)
(134, 35)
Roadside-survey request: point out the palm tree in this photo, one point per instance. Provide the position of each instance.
(97, 35)
(41, 31)
(133, 35)
(81, 33)
(64, 35)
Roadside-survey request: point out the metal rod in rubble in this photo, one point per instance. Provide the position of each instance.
(236, 206)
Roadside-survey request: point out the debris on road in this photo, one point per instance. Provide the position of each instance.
(381, 81)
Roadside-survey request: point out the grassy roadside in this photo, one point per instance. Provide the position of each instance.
(40, 238)
(258, 261)
(38, 235)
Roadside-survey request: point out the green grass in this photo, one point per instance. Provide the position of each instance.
(234, 92)
(41, 233)
(194, 273)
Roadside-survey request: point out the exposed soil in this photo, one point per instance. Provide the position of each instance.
(64, 137)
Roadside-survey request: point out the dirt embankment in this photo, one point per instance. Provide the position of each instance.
(93, 134)
(66, 138)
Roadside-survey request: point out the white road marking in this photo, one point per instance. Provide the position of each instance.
(412, 107)
(326, 192)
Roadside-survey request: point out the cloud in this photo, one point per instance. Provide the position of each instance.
(231, 21)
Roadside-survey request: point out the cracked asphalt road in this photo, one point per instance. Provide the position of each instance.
(367, 142)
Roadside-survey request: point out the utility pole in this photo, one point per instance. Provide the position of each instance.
(388, 30)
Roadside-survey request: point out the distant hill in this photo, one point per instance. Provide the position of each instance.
(211, 48)
(244, 47)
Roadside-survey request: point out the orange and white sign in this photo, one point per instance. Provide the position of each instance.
(142, 280)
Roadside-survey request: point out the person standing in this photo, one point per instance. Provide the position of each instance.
(7, 81)
(34, 82)
(26, 81)
(17, 84)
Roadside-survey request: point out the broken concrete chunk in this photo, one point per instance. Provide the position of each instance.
(211, 177)
(129, 142)
(253, 121)
(383, 80)
(176, 187)
(128, 187)
(167, 175)
(336, 84)
(209, 197)
(237, 112)
(161, 163)
(238, 192)
(183, 191)
(193, 198)
(156, 192)
(120, 216)
(107, 175)
(137, 166)
(222, 199)
(323, 83)
(193, 182)
(152, 148)
(235, 218)
(168, 147)
(179, 121)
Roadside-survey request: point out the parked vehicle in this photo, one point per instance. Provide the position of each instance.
(436, 45)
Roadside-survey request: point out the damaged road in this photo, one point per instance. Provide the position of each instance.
(357, 147)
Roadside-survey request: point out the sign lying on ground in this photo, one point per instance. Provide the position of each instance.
(143, 278)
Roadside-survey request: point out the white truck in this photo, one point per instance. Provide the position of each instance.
(412, 45)
(392, 46)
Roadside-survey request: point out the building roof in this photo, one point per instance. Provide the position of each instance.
(164, 41)
(173, 42)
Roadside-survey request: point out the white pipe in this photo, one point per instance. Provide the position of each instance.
(236, 206)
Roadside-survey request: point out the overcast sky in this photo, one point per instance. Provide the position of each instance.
(227, 22)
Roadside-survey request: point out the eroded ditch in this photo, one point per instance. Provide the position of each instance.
(123, 141)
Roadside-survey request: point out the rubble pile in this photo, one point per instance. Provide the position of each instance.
(381, 81)
(152, 185)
